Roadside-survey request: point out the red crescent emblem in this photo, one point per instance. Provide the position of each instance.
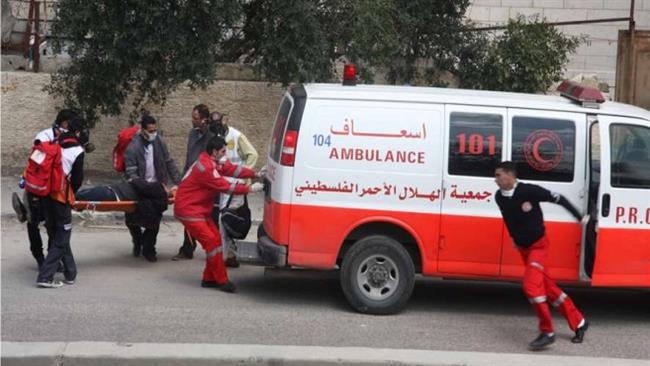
(533, 150)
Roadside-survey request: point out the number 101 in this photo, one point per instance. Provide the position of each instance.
(475, 145)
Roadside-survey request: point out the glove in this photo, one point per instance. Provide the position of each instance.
(262, 172)
(256, 187)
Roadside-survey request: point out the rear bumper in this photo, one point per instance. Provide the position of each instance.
(271, 253)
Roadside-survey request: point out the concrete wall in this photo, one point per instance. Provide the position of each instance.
(26, 109)
(598, 56)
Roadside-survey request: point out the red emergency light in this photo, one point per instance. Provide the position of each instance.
(586, 96)
(350, 74)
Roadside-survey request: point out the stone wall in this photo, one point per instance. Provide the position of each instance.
(27, 109)
(598, 55)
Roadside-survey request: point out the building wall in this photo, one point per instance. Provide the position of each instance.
(26, 110)
(598, 55)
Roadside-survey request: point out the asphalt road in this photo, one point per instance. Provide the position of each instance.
(118, 298)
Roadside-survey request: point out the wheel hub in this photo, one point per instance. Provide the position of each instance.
(377, 276)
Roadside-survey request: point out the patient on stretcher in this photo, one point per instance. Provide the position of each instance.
(122, 191)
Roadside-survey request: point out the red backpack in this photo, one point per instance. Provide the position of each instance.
(44, 173)
(123, 139)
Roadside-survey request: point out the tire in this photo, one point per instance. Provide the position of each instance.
(377, 276)
(260, 230)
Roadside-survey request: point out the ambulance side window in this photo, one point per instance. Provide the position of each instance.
(630, 156)
(278, 129)
(544, 148)
(475, 141)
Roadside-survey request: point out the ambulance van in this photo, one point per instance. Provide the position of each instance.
(386, 182)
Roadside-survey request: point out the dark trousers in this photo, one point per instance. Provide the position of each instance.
(189, 244)
(33, 233)
(58, 221)
(145, 238)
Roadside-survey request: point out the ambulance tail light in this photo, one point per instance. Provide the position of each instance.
(350, 74)
(587, 96)
(289, 144)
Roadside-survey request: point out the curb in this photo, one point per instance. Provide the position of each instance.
(131, 354)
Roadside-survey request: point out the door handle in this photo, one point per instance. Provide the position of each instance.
(604, 209)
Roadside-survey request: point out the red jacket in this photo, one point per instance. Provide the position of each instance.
(202, 183)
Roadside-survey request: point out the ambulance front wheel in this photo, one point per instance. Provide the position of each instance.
(377, 275)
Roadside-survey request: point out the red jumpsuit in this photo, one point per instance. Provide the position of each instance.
(193, 207)
(541, 290)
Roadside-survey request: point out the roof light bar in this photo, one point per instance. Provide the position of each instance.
(587, 96)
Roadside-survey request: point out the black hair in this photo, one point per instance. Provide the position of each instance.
(508, 167)
(215, 143)
(146, 121)
(77, 124)
(64, 115)
(203, 110)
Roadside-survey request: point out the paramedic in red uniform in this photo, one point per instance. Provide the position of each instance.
(519, 205)
(194, 202)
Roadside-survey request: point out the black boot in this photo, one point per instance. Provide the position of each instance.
(542, 341)
(228, 287)
(580, 333)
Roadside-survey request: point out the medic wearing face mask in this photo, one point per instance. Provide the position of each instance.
(194, 203)
(148, 158)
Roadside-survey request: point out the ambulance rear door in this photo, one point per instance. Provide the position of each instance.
(623, 229)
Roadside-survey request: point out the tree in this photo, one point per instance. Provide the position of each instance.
(527, 57)
(300, 40)
(139, 48)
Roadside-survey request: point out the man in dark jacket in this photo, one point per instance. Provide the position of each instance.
(147, 158)
(197, 141)
(519, 205)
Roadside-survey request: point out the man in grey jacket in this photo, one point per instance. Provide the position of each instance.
(147, 158)
(197, 140)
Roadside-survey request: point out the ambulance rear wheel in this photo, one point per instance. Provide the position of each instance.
(377, 275)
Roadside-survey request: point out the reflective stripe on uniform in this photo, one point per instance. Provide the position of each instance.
(188, 218)
(537, 265)
(214, 251)
(200, 166)
(559, 300)
(237, 171)
(537, 299)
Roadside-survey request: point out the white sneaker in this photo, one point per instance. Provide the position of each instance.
(49, 284)
(68, 282)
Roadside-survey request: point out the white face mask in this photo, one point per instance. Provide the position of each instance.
(63, 130)
(151, 136)
(223, 160)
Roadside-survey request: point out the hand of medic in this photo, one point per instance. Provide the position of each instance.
(256, 187)
(261, 173)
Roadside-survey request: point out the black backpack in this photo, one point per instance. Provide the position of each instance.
(236, 221)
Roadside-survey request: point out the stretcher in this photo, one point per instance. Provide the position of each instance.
(109, 206)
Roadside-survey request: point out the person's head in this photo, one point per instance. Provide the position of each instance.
(216, 148)
(200, 117)
(218, 124)
(75, 127)
(505, 175)
(149, 127)
(63, 119)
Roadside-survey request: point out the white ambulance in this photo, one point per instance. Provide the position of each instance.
(386, 182)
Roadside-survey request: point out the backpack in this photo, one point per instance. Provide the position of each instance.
(124, 138)
(44, 173)
(236, 221)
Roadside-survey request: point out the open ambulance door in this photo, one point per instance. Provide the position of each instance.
(622, 230)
